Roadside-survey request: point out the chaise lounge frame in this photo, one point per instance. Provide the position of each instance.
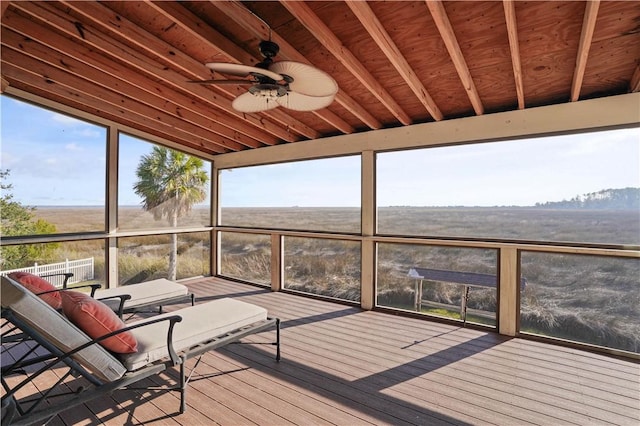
(74, 359)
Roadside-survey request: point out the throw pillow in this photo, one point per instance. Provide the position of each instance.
(96, 319)
(37, 285)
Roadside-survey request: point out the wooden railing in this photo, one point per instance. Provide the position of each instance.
(509, 282)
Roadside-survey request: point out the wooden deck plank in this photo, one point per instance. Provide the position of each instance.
(324, 410)
(384, 374)
(248, 387)
(556, 395)
(491, 370)
(360, 400)
(341, 365)
(485, 375)
(505, 353)
(411, 397)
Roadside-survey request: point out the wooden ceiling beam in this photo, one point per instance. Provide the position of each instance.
(254, 25)
(4, 4)
(256, 127)
(374, 27)
(39, 73)
(202, 32)
(327, 38)
(251, 23)
(588, 26)
(4, 84)
(355, 108)
(514, 46)
(439, 15)
(48, 15)
(200, 29)
(111, 75)
(634, 85)
(334, 120)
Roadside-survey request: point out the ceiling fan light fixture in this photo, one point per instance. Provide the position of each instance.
(271, 91)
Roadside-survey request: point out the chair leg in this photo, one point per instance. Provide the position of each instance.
(277, 339)
(183, 387)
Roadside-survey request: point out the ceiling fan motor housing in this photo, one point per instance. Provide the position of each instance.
(269, 49)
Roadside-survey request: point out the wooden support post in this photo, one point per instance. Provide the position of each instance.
(508, 311)
(215, 254)
(277, 270)
(368, 229)
(367, 274)
(111, 260)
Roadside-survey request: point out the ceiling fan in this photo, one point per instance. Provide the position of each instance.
(289, 84)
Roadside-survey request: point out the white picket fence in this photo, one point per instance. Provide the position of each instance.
(82, 270)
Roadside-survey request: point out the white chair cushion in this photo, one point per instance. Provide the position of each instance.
(58, 330)
(199, 324)
(146, 293)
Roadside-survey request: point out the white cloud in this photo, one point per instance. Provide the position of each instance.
(73, 147)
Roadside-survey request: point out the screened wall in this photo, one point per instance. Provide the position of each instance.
(536, 235)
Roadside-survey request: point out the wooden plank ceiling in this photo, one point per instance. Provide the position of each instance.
(396, 63)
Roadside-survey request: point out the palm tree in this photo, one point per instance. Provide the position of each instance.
(170, 183)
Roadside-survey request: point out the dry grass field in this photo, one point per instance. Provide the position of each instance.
(586, 298)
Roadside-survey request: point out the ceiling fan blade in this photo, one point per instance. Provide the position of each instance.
(307, 80)
(222, 82)
(299, 102)
(242, 70)
(248, 102)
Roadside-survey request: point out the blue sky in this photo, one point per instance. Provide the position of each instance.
(53, 159)
(500, 173)
(57, 160)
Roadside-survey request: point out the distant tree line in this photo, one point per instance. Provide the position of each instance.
(606, 199)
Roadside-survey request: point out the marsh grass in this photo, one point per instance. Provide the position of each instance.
(146, 258)
(326, 267)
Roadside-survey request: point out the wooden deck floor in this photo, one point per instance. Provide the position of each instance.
(344, 366)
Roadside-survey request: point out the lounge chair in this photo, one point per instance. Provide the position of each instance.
(162, 341)
(126, 299)
(155, 293)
